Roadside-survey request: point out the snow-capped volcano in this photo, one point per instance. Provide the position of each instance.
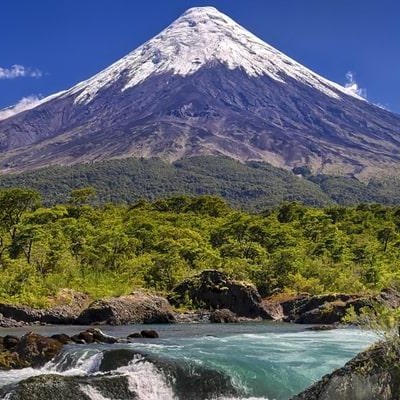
(205, 85)
(200, 37)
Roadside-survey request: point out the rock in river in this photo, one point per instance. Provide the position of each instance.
(372, 375)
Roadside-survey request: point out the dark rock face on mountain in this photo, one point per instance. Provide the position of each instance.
(131, 309)
(213, 289)
(372, 375)
(205, 86)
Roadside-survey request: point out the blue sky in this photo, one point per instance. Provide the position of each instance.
(61, 42)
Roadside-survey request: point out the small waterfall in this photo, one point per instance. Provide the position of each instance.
(75, 363)
(92, 393)
(146, 381)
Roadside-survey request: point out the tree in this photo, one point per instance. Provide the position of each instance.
(80, 197)
(13, 204)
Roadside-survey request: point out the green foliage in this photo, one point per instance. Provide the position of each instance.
(112, 249)
(251, 186)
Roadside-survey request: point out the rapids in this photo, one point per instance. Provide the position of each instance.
(189, 362)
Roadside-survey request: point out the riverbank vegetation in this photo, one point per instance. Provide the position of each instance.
(112, 249)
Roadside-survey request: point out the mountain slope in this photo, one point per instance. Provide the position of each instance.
(206, 86)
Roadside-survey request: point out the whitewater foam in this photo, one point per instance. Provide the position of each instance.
(146, 381)
(92, 393)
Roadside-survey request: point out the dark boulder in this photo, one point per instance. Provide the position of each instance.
(149, 334)
(61, 337)
(78, 340)
(36, 350)
(135, 308)
(10, 342)
(58, 387)
(100, 337)
(223, 316)
(372, 375)
(86, 336)
(214, 290)
(135, 335)
(322, 328)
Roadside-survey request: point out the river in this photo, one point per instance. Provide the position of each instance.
(190, 362)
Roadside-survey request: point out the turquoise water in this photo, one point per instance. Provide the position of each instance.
(273, 363)
(267, 361)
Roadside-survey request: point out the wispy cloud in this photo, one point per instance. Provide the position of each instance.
(19, 71)
(26, 103)
(353, 86)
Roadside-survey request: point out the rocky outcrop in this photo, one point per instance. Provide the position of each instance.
(10, 323)
(214, 290)
(31, 350)
(193, 316)
(326, 309)
(180, 380)
(223, 316)
(67, 306)
(58, 387)
(372, 375)
(34, 350)
(132, 309)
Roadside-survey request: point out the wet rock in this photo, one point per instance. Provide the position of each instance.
(61, 337)
(36, 349)
(100, 336)
(223, 316)
(135, 335)
(215, 290)
(135, 308)
(372, 375)
(76, 339)
(56, 387)
(10, 342)
(322, 328)
(149, 334)
(86, 336)
(117, 358)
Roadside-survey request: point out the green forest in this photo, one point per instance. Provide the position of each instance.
(111, 249)
(252, 186)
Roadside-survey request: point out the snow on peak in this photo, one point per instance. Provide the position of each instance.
(201, 36)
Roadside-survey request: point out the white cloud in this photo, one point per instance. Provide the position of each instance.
(19, 71)
(353, 87)
(26, 103)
